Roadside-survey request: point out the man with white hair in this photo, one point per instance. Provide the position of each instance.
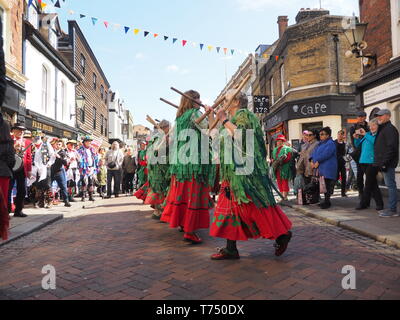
(386, 151)
(114, 159)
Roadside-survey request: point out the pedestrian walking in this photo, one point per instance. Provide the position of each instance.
(129, 168)
(371, 189)
(114, 159)
(387, 158)
(246, 207)
(7, 162)
(324, 159)
(341, 153)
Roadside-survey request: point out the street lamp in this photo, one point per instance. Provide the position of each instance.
(355, 33)
(80, 103)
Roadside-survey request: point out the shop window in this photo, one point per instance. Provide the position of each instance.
(102, 92)
(82, 111)
(312, 126)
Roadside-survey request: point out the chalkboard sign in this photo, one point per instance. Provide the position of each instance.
(261, 104)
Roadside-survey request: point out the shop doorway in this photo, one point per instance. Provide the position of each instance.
(312, 126)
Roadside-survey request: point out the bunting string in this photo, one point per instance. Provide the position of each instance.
(136, 31)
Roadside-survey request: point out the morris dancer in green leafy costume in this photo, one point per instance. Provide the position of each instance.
(158, 165)
(281, 164)
(188, 201)
(246, 206)
(143, 184)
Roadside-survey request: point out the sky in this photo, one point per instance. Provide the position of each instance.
(143, 69)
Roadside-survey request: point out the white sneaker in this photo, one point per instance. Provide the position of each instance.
(388, 214)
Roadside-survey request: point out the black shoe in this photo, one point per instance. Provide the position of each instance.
(117, 195)
(325, 205)
(361, 207)
(91, 199)
(20, 215)
(67, 204)
(379, 208)
(281, 243)
(107, 197)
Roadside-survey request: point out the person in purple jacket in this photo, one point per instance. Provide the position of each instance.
(324, 159)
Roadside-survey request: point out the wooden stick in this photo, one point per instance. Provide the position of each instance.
(188, 97)
(170, 103)
(228, 105)
(150, 119)
(214, 107)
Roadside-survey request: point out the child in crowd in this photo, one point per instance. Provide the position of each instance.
(102, 178)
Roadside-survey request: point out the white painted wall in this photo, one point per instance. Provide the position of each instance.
(34, 63)
(295, 126)
(116, 118)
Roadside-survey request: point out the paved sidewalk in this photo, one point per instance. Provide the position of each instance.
(40, 218)
(365, 222)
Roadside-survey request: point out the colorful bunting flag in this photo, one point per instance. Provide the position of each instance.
(57, 4)
(126, 30)
(165, 38)
(184, 42)
(225, 50)
(94, 20)
(232, 51)
(155, 35)
(218, 48)
(174, 40)
(210, 48)
(146, 33)
(106, 24)
(201, 46)
(136, 31)
(82, 16)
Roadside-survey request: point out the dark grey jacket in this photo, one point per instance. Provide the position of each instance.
(7, 159)
(2, 68)
(387, 146)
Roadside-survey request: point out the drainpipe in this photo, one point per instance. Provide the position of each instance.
(336, 40)
(55, 94)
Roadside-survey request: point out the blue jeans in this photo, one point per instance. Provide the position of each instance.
(61, 180)
(390, 182)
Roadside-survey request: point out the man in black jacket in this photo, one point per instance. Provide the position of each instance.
(386, 154)
(2, 68)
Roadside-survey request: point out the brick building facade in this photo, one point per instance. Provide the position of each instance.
(379, 87)
(12, 12)
(93, 117)
(311, 83)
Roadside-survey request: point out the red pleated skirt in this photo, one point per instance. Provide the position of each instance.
(154, 199)
(141, 194)
(245, 221)
(187, 205)
(4, 217)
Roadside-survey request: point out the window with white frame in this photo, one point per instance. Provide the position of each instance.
(63, 99)
(83, 64)
(272, 91)
(395, 8)
(282, 71)
(45, 88)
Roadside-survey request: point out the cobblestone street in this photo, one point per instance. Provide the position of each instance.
(114, 250)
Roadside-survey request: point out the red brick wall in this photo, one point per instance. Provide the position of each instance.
(378, 35)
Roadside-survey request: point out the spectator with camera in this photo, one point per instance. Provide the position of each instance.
(387, 157)
(366, 162)
(114, 159)
(361, 124)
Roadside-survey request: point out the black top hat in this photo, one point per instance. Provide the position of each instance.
(19, 126)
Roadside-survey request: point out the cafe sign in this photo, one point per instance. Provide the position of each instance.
(42, 126)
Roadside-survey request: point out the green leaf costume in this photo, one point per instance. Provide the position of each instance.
(256, 183)
(142, 178)
(202, 173)
(284, 169)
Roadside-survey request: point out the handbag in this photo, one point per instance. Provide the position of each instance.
(356, 154)
(112, 164)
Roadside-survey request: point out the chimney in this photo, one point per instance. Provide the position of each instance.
(283, 24)
(308, 14)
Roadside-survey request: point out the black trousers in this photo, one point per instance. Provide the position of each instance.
(342, 174)
(129, 181)
(20, 179)
(116, 175)
(360, 179)
(330, 185)
(371, 188)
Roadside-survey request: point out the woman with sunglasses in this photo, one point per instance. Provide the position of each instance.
(324, 159)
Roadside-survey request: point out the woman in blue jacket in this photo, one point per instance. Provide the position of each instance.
(371, 188)
(324, 159)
